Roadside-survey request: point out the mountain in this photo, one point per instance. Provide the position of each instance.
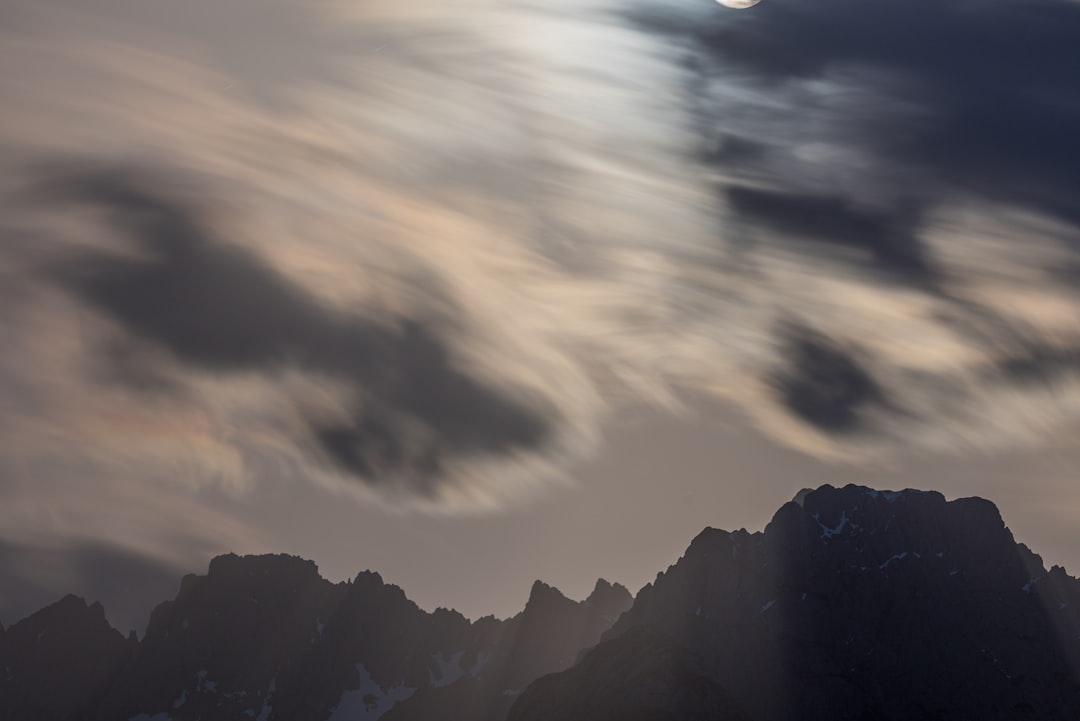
(852, 604)
(640, 675)
(59, 661)
(266, 637)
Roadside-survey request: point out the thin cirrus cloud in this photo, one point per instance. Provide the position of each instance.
(426, 264)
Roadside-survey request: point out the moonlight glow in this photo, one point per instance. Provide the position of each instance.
(738, 4)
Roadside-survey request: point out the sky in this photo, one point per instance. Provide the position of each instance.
(473, 293)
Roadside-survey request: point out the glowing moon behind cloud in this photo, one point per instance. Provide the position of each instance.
(738, 4)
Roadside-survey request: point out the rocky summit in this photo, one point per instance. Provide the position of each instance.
(266, 637)
(852, 604)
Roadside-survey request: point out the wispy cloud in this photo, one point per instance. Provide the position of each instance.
(424, 263)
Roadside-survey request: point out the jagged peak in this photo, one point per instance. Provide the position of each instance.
(800, 497)
(72, 601)
(370, 585)
(368, 578)
(72, 605)
(543, 594)
(442, 612)
(710, 540)
(605, 593)
(70, 609)
(601, 585)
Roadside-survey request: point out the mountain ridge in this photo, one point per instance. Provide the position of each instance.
(854, 603)
(268, 634)
(851, 603)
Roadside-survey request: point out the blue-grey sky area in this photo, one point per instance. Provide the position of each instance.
(473, 293)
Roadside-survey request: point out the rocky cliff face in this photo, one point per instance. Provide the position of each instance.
(547, 636)
(858, 604)
(59, 661)
(640, 675)
(851, 604)
(266, 637)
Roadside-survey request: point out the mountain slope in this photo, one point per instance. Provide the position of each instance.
(852, 604)
(858, 604)
(266, 637)
(638, 676)
(58, 661)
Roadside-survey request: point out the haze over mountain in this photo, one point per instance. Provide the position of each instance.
(852, 603)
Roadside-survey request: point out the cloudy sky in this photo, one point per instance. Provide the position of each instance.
(478, 292)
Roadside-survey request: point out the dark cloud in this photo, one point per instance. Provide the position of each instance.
(1040, 365)
(579, 250)
(994, 84)
(875, 132)
(127, 584)
(823, 383)
(887, 239)
(217, 308)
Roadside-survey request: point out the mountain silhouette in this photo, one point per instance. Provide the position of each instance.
(852, 603)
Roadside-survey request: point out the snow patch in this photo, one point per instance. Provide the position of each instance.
(368, 702)
(894, 557)
(201, 684)
(768, 605)
(180, 700)
(827, 532)
(160, 716)
(264, 712)
(450, 669)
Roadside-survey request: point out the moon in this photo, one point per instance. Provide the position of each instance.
(738, 4)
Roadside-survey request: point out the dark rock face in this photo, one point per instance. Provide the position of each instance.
(266, 637)
(547, 636)
(852, 604)
(858, 604)
(59, 661)
(638, 676)
(217, 648)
